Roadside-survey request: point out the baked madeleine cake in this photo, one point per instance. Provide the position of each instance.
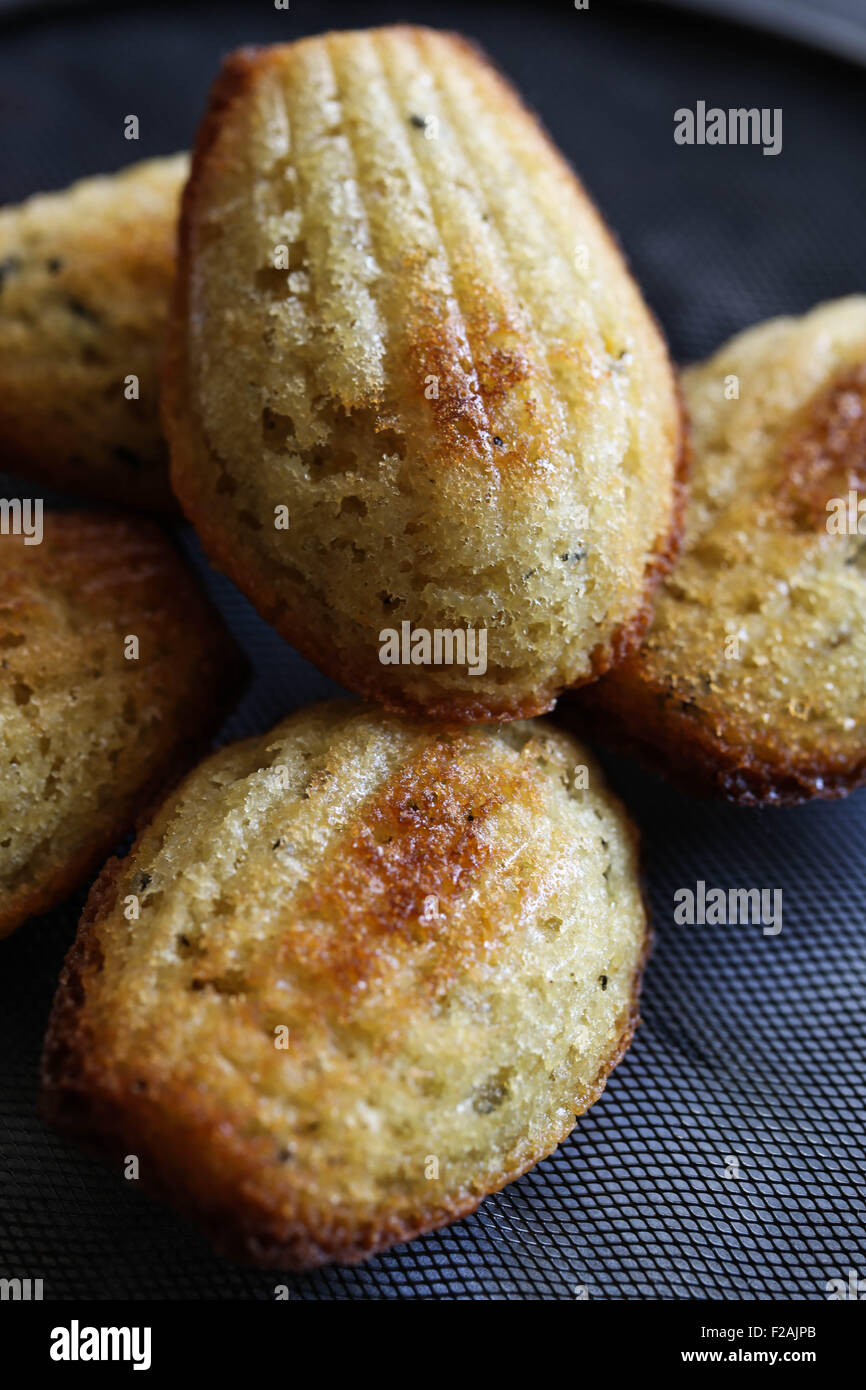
(417, 408)
(85, 279)
(375, 969)
(114, 671)
(752, 681)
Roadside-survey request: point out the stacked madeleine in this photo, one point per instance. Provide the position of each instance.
(361, 971)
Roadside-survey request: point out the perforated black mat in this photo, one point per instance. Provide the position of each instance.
(752, 1046)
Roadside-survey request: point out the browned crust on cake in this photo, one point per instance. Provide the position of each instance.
(172, 1131)
(223, 671)
(354, 669)
(823, 451)
(196, 1156)
(709, 749)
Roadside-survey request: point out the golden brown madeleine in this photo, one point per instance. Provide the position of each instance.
(85, 280)
(114, 672)
(378, 967)
(752, 680)
(411, 388)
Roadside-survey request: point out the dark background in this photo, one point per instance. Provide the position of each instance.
(752, 1046)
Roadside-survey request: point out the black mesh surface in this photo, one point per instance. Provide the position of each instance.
(752, 1046)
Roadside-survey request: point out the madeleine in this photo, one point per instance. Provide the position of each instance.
(377, 968)
(409, 377)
